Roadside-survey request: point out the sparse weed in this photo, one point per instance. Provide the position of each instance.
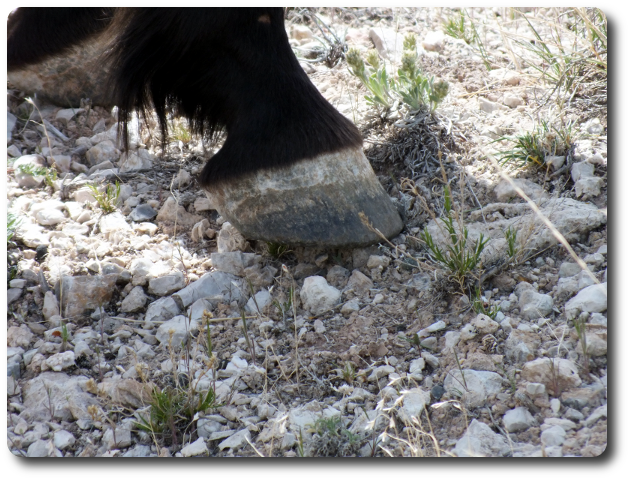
(107, 199)
(511, 378)
(458, 27)
(461, 370)
(531, 148)
(510, 237)
(332, 439)
(409, 86)
(49, 174)
(480, 305)
(173, 409)
(578, 64)
(180, 132)
(65, 336)
(580, 328)
(277, 250)
(413, 340)
(348, 373)
(459, 258)
(13, 222)
(554, 370)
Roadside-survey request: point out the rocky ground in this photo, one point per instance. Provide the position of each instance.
(119, 324)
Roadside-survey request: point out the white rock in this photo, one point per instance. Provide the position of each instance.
(180, 328)
(234, 262)
(388, 42)
(198, 447)
(263, 299)
(594, 126)
(582, 170)
(589, 299)
(413, 404)
(378, 299)
(50, 216)
(505, 190)
(162, 309)
(433, 41)
(135, 160)
(535, 389)
(42, 448)
(556, 161)
(166, 284)
(63, 162)
(488, 106)
(595, 345)
(512, 101)
(202, 204)
(432, 360)
(66, 114)
(416, 365)
(51, 305)
(83, 195)
(134, 301)
(588, 187)
(553, 436)
(11, 121)
(236, 440)
(121, 439)
(376, 261)
(597, 159)
(535, 305)
(217, 285)
(63, 439)
(598, 413)
(350, 306)
(478, 382)
(558, 372)
(570, 285)
(451, 339)
(13, 151)
(318, 326)
(13, 294)
(569, 269)
(380, 372)
(518, 419)
(113, 224)
(60, 361)
(317, 296)
(359, 283)
(302, 32)
(102, 152)
(230, 239)
(480, 441)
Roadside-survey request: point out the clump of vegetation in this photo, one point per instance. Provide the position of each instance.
(49, 174)
(174, 407)
(531, 148)
(463, 28)
(277, 250)
(180, 132)
(172, 410)
(108, 199)
(332, 439)
(480, 305)
(409, 86)
(460, 258)
(579, 66)
(13, 222)
(580, 328)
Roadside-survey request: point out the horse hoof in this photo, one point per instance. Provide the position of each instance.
(326, 201)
